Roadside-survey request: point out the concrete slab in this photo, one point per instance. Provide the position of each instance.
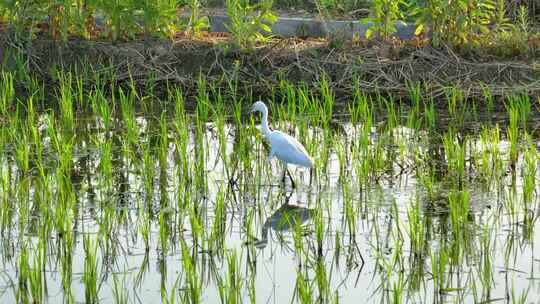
(288, 27)
(308, 27)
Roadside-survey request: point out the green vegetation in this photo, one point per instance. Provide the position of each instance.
(117, 193)
(144, 179)
(496, 27)
(246, 20)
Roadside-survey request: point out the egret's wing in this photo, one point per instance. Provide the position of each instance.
(288, 146)
(284, 139)
(298, 145)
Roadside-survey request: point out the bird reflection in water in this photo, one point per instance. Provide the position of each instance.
(285, 218)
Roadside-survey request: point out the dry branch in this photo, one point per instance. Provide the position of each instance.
(376, 67)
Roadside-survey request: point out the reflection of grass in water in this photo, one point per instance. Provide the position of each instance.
(185, 184)
(90, 275)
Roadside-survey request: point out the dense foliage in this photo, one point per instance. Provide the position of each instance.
(477, 23)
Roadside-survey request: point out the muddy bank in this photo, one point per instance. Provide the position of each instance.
(371, 66)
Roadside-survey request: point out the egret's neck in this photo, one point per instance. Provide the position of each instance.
(265, 129)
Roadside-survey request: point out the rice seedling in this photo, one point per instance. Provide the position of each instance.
(512, 131)
(182, 139)
(430, 113)
(459, 211)
(22, 292)
(455, 154)
(217, 235)
(392, 114)
(163, 160)
(350, 212)
(361, 109)
(101, 108)
(36, 276)
(144, 223)
(416, 228)
(530, 157)
(521, 298)
(119, 289)
(192, 279)
(456, 105)
(163, 231)
(488, 98)
(486, 264)
(66, 103)
(7, 95)
(319, 232)
(414, 121)
(303, 287)
(327, 102)
(90, 275)
(230, 291)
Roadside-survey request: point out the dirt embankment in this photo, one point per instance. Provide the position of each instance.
(371, 66)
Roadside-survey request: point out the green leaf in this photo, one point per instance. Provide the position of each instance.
(369, 33)
(366, 20)
(271, 18)
(265, 28)
(419, 29)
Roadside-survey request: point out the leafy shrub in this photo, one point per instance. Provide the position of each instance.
(158, 16)
(195, 23)
(248, 22)
(119, 18)
(384, 14)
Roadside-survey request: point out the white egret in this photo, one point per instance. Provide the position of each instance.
(285, 147)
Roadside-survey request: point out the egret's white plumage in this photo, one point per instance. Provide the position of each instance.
(288, 149)
(283, 146)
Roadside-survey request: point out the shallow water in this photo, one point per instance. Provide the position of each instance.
(268, 229)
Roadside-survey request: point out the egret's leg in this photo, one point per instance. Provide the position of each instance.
(290, 177)
(284, 175)
(310, 175)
